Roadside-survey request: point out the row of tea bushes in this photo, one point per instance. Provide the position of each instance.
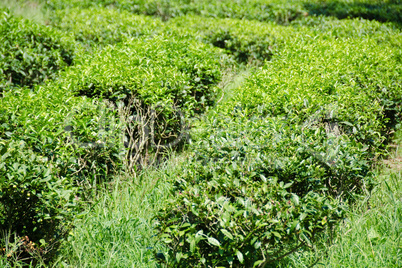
(279, 162)
(380, 10)
(30, 53)
(273, 10)
(101, 26)
(175, 71)
(362, 88)
(282, 12)
(352, 28)
(247, 41)
(51, 138)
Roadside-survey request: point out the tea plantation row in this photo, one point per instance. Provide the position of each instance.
(274, 166)
(278, 11)
(292, 148)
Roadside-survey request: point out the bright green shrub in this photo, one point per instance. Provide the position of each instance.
(103, 26)
(158, 70)
(42, 164)
(353, 28)
(30, 53)
(35, 201)
(245, 40)
(302, 131)
(253, 191)
(316, 72)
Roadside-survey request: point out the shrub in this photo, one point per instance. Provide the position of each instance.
(158, 70)
(353, 28)
(315, 73)
(384, 11)
(35, 202)
(274, 10)
(246, 40)
(41, 165)
(253, 192)
(103, 26)
(279, 161)
(30, 53)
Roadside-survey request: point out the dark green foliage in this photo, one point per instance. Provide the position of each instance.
(35, 201)
(100, 26)
(30, 53)
(278, 11)
(380, 10)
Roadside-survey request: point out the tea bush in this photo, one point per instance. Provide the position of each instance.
(30, 53)
(353, 28)
(380, 10)
(366, 98)
(282, 12)
(273, 10)
(247, 41)
(304, 129)
(157, 70)
(35, 201)
(42, 164)
(100, 26)
(243, 201)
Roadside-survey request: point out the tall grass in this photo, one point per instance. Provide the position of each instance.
(117, 228)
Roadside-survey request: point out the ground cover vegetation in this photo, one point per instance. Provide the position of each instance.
(290, 107)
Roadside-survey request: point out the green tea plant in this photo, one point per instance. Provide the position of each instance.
(366, 98)
(302, 131)
(36, 203)
(380, 10)
(243, 201)
(41, 167)
(273, 10)
(247, 41)
(30, 53)
(101, 26)
(282, 12)
(158, 70)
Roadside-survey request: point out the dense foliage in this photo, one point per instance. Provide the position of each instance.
(157, 70)
(42, 166)
(247, 41)
(300, 129)
(273, 163)
(282, 12)
(97, 26)
(30, 53)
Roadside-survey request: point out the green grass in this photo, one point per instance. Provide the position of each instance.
(117, 228)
